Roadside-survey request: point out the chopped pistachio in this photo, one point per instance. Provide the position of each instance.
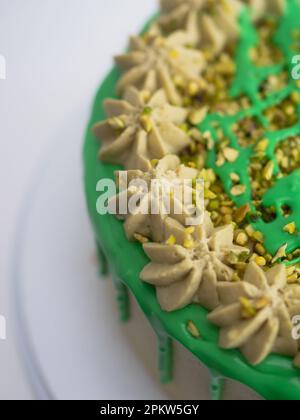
(261, 303)
(225, 210)
(140, 238)
(146, 95)
(230, 154)
(171, 240)
(154, 162)
(268, 258)
(290, 270)
(193, 330)
(295, 97)
(147, 110)
(268, 171)
(290, 228)
(262, 146)
(146, 123)
(227, 219)
(197, 116)
(184, 127)
(249, 230)
(234, 177)
(292, 278)
(190, 230)
(238, 190)
(209, 140)
(213, 205)
(174, 54)
(241, 213)
(242, 239)
(248, 310)
(260, 261)
(179, 81)
(260, 249)
(193, 88)
(232, 258)
(209, 194)
(116, 123)
(236, 277)
(220, 160)
(188, 244)
(281, 253)
(258, 236)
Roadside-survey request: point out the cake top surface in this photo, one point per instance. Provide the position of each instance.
(233, 121)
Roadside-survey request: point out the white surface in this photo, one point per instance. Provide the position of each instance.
(57, 51)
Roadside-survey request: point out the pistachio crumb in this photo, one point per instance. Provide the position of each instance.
(238, 190)
(268, 171)
(190, 230)
(193, 330)
(248, 310)
(260, 261)
(231, 155)
(171, 240)
(290, 228)
(188, 243)
(281, 253)
(140, 238)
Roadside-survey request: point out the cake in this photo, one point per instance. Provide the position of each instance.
(206, 99)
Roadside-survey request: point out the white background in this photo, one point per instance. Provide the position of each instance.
(56, 51)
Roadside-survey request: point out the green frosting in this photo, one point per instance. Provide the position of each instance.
(275, 378)
(248, 81)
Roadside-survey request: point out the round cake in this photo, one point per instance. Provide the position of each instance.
(192, 179)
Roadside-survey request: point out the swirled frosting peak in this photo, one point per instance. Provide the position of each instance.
(209, 24)
(190, 272)
(156, 213)
(263, 8)
(154, 62)
(255, 314)
(141, 127)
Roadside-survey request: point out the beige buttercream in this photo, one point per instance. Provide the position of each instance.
(255, 314)
(153, 61)
(140, 129)
(189, 274)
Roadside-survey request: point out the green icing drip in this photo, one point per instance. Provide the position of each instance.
(247, 82)
(102, 261)
(165, 358)
(217, 384)
(123, 301)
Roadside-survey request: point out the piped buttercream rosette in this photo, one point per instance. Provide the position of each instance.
(158, 203)
(210, 24)
(206, 24)
(255, 315)
(263, 8)
(153, 62)
(139, 128)
(189, 271)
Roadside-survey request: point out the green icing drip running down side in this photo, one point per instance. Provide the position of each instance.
(248, 80)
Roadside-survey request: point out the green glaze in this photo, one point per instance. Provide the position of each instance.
(123, 301)
(102, 261)
(165, 358)
(217, 384)
(284, 193)
(247, 83)
(275, 378)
